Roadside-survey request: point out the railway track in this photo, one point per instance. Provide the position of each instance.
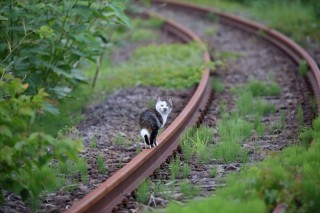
(120, 185)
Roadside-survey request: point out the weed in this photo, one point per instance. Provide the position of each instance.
(201, 138)
(224, 55)
(303, 68)
(143, 35)
(138, 150)
(300, 117)
(162, 189)
(234, 129)
(259, 88)
(282, 119)
(210, 31)
(262, 107)
(174, 168)
(101, 164)
(93, 143)
(213, 172)
(142, 192)
(187, 144)
(313, 105)
(260, 128)
(121, 141)
(217, 85)
(185, 170)
(245, 103)
(82, 167)
(189, 190)
(306, 136)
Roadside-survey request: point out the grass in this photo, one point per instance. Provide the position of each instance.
(300, 117)
(213, 172)
(82, 167)
(143, 35)
(294, 18)
(185, 170)
(188, 189)
(303, 68)
(101, 164)
(120, 140)
(93, 143)
(142, 193)
(217, 85)
(174, 168)
(187, 144)
(259, 88)
(290, 177)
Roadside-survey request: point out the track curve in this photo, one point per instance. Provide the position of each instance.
(117, 187)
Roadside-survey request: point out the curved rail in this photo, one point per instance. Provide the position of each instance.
(124, 181)
(291, 48)
(114, 190)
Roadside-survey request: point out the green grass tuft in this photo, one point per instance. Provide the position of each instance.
(142, 193)
(217, 85)
(189, 190)
(101, 164)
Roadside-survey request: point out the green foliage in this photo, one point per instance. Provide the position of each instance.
(290, 178)
(43, 41)
(122, 141)
(202, 138)
(259, 88)
(217, 85)
(142, 193)
(232, 132)
(303, 68)
(188, 189)
(143, 35)
(187, 144)
(101, 164)
(23, 153)
(185, 170)
(213, 172)
(93, 143)
(296, 18)
(169, 65)
(82, 167)
(300, 117)
(174, 168)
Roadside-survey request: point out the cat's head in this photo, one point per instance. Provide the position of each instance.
(164, 106)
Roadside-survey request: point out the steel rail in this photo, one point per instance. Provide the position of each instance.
(297, 53)
(117, 187)
(111, 192)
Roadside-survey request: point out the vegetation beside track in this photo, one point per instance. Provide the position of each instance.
(289, 178)
(298, 18)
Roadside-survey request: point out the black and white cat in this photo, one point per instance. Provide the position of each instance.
(152, 120)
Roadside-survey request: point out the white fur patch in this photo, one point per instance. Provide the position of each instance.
(144, 132)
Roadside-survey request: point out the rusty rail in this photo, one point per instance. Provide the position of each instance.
(124, 181)
(284, 43)
(114, 190)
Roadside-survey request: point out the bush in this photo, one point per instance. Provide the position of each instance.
(23, 152)
(45, 40)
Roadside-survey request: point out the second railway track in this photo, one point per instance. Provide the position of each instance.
(264, 53)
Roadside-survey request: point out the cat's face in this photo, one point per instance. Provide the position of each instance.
(164, 106)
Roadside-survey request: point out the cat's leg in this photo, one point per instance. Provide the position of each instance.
(153, 137)
(146, 140)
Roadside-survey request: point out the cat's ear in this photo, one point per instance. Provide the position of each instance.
(170, 101)
(159, 99)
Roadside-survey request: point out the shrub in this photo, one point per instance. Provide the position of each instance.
(23, 153)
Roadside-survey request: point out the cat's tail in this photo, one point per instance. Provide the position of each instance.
(145, 134)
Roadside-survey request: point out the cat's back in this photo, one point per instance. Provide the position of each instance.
(148, 119)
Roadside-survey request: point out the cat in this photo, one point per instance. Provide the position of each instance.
(150, 121)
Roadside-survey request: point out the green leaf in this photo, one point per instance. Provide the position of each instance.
(51, 108)
(2, 18)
